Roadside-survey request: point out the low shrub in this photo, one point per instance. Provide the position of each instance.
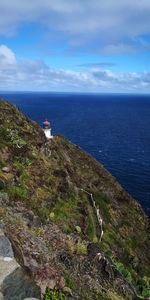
(79, 248)
(122, 269)
(18, 192)
(2, 184)
(54, 295)
(44, 214)
(69, 281)
(143, 287)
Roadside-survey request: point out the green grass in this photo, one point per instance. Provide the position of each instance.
(2, 164)
(54, 295)
(69, 281)
(23, 161)
(15, 139)
(18, 192)
(44, 214)
(102, 201)
(122, 269)
(91, 229)
(143, 287)
(3, 211)
(4, 139)
(79, 247)
(66, 213)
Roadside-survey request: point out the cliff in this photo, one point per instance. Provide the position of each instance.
(73, 228)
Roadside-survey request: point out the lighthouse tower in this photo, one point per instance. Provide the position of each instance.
(47, 129)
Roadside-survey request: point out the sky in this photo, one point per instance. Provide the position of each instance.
(75, 46)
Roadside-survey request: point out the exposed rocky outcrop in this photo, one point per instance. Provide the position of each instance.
(15, 283)
(71, 225)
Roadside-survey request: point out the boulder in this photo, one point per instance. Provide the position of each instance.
(5, 247)
(1, 296)
(15, 283)
(6, 169)
(30, 299)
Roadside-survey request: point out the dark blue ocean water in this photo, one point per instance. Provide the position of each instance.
(113, 128)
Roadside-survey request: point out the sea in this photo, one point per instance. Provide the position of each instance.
(114, 128)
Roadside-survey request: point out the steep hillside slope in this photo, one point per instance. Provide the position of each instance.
(69, 220)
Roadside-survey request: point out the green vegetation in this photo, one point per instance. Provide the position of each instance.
(69, 281)
(91, 228)
(78, 229)
(18, 192)
(15, 219)
(2, 163)
(23, 161)
(4, 139)
(44, 214)
(37, 231)
(3, 211)
(103, 294)
(143, 287)
(79, 247)
(14, 138)
(123, 270)
(50, 178)
(54, 295)
(2, 184)
(111, 295)
(65, 213)
(120, 266)
(103, 201)
(10, 137)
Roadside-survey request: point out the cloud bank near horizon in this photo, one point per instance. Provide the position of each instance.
(36, 75)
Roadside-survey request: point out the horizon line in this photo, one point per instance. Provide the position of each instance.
(76, 92)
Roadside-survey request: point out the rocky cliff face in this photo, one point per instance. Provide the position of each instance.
(72, 226)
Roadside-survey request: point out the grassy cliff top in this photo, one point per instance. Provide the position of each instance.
(55, 180)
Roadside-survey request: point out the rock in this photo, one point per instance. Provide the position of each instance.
(6, 169)
(29, 215)
(36, 221)
(48, 277)
(5, 247)
(14, 282)
(1, 232)
(93, 249)
(6, 269)
(67, 291)
(4, 199)
(30, 299)
(18, 285)
(32, 219)
(1, 296)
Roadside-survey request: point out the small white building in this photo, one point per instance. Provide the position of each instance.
(47, 129)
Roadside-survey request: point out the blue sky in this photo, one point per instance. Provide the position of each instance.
(80, 46)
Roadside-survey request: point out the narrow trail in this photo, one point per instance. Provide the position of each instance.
(97, 212)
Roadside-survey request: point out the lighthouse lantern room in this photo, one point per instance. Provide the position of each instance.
(47, 129)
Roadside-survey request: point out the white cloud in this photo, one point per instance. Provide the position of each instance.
(81, 22)
(36, 75)
(118, 48)
(6, 55)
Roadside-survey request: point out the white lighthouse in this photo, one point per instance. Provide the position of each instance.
(47, 129)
